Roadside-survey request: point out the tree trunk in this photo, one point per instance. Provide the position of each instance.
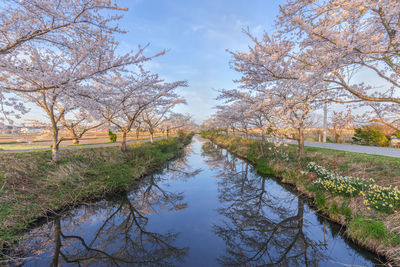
(55, 155)
(337, 137)
(72, 133)
(262, 141)
(137, 133)
(57, 241)
(301, 141)
(123, 147)
(151, 136)
(167, 134)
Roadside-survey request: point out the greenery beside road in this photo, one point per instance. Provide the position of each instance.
(33, 186)
(354, 189)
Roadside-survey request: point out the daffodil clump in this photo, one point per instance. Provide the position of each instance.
(379, 198)
(383, 199)
(337, 184)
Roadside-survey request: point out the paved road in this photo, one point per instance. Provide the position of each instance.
(383, 151)
(373, 150)
(78, 146)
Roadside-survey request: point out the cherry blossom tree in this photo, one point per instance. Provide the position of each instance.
(124, 98)
(387, 114)
(58, 83)
(82, 122)
(174, 121)
(341, 121)
(271, 68)
(52, 25)
(53, 21)
(153, 117)
(346, 41)
(258, 109)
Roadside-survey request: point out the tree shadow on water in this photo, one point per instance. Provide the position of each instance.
(260, 226)
(110, 233)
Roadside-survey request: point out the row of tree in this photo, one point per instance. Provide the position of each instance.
(62, 57)
(342, 51)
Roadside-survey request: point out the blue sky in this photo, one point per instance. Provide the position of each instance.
(196, 35)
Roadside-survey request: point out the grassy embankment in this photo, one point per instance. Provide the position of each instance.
(32, 186)
(369, 209)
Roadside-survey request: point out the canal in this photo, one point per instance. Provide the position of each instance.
(206, 208)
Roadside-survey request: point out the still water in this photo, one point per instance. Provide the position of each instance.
(207, 208)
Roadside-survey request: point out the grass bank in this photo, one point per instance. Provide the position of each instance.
(32, 186)
(353, 189)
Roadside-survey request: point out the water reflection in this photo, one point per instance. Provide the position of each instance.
(262, 224)
(207, 208)
(114, 232)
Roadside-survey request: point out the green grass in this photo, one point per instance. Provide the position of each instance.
(320, 200)
(363, 228)
(33, 185)
(346, 211)
(263, 167)
(334, 210)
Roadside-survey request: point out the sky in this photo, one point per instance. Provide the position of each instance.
(196, 35)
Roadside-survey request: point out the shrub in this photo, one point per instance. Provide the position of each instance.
(112, 136)
(370, 136)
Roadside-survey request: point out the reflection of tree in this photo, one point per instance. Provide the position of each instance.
(121, 239)
(180, 168)
(260, 228)
(217, 158)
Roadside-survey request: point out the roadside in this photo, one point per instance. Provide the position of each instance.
(32, 186)
(373, 150)
(340, 184)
